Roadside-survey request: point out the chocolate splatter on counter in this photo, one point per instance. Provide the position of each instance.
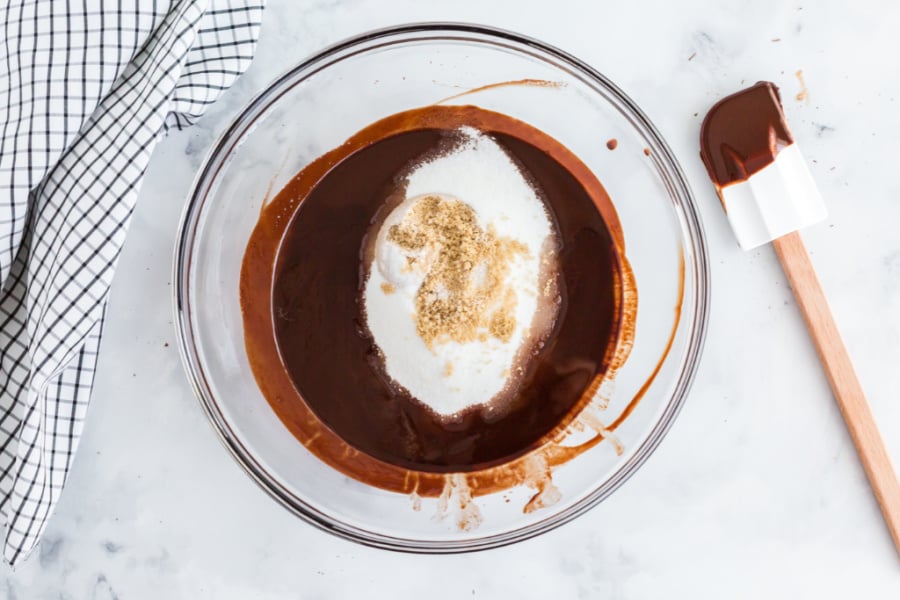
(803, 94)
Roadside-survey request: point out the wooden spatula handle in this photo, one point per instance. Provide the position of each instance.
(842, 377)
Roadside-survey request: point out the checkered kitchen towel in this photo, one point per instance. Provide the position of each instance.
(86, 89)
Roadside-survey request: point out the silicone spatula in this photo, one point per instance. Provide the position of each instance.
(769, 195)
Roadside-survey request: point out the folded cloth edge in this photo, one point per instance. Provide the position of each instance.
(59, 283)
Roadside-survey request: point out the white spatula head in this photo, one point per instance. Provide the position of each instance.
(761, 177)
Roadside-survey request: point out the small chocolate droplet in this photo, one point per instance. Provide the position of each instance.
(612, 144)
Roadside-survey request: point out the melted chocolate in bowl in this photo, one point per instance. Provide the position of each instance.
(316, 363)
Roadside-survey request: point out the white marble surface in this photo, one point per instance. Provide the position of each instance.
(756, 491)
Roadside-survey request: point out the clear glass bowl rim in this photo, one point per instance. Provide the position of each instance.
(216, 159)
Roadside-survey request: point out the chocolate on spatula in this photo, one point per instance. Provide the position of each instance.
(762, 179)
(769, 194)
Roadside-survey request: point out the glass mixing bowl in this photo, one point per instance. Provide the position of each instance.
(313, 108)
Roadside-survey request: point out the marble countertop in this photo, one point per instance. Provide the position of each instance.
(755, 492)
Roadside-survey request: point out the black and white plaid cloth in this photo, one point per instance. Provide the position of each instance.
(86, 90)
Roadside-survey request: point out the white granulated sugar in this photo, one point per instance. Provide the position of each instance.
(451, 377)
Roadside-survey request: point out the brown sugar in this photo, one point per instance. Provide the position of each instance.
(464, 296)
(502, 322)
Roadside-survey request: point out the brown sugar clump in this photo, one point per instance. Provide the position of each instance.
(388, 288)
(502, 322)
(464, 296)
